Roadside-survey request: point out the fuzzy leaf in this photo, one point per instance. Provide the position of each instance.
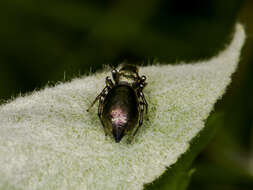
(177, 176)
(49, 141)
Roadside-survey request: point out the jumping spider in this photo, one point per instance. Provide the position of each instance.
(122, 103)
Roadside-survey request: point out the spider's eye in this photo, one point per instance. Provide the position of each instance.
(143, 78)
(114, 71)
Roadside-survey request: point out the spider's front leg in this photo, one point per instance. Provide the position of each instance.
(109, 85)
(109, 82)
(115, 76)
(143, 99)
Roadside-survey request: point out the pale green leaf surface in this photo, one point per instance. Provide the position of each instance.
(49, 141)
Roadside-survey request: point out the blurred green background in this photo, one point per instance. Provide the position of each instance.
(43, 42)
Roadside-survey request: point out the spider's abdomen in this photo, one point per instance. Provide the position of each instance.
(120, 110)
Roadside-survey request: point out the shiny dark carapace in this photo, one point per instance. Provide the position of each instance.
(120, 112)
(122, 103)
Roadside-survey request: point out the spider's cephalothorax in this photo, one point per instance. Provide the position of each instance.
(122, 102)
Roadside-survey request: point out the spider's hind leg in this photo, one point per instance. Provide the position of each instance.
(142, 106)
(141, 118)
(100, 111)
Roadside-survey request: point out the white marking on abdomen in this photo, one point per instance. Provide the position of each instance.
(118, 117)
